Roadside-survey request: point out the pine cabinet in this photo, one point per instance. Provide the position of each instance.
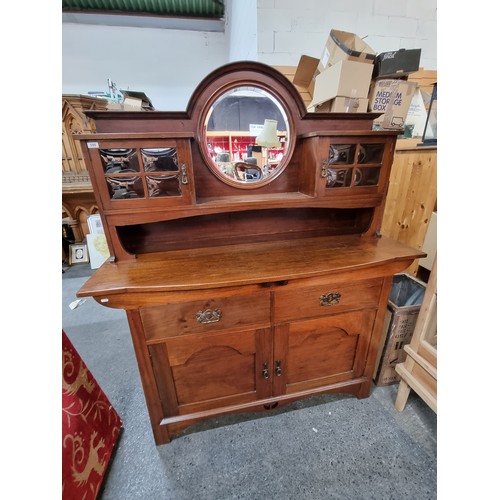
(78, 201)
(244, 293)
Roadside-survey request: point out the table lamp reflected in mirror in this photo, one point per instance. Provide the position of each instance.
(268, 138)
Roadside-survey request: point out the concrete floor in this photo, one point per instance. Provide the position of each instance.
(334, 447)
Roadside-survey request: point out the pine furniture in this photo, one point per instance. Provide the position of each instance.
(419, 370)
(78, 201)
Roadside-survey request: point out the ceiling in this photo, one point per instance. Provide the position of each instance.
(203, 15)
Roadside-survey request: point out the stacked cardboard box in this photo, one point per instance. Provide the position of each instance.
(305, 91)
(396, 64)
(350, 77)
(340, 80)
(391, 93)
(391, 98)
(345, 46)
(343, 86)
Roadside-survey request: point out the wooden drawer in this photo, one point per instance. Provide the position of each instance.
(322, 300)
(215, 314)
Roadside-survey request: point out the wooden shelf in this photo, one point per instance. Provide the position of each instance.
(250, 263)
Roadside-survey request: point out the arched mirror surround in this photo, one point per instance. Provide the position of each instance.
(246, 135)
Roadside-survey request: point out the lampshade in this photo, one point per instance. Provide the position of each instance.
(268, 137)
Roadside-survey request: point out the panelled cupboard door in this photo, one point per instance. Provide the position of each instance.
(322, 351)
(212, 370)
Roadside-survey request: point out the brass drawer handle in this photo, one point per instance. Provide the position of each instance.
(329, 299)
(209, 316)
(277, 368)
(265, 371)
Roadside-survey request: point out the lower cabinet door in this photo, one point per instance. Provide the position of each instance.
(319, 352)
(212, 370)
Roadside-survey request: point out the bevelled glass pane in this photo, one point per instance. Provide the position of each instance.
(371, 153)
(341, 154)
(119, 160)
(338, 177)
(367, 176)
(163, 185)
(125, 187)
(160, 160)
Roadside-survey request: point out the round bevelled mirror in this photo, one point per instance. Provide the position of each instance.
(246, 137)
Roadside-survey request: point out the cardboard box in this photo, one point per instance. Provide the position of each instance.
(129, 104)
(341, 105)
(289, 72)
(393, 99)
(307, 70)
(345, 46)
(405, 300)
(397, 63)
(132, 104)
(146, 104)
(345, 79)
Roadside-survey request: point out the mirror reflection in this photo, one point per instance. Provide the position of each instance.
(246, 136)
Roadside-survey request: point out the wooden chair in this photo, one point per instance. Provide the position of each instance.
(247, 171)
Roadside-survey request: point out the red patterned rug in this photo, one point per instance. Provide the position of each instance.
(90, 428)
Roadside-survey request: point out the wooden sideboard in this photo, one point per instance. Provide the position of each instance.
(244, 293)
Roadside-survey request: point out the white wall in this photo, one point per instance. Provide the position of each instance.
(241, 28)
(289, 28)
(166, 65)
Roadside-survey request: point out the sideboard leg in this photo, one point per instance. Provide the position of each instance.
(364, 389)
(161, 435)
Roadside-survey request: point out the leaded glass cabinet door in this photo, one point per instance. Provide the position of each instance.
(143, 174)
(354, 165)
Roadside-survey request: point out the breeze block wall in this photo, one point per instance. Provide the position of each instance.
(286, 29)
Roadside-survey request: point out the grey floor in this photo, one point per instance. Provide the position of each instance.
(335, 447)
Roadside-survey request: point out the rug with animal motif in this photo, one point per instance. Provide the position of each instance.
(90, 428)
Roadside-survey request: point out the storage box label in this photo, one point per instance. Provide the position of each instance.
(383, 98)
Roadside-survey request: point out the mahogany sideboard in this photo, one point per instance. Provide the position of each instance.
(253, 280)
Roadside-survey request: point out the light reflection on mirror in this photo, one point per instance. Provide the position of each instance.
(247, 136)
